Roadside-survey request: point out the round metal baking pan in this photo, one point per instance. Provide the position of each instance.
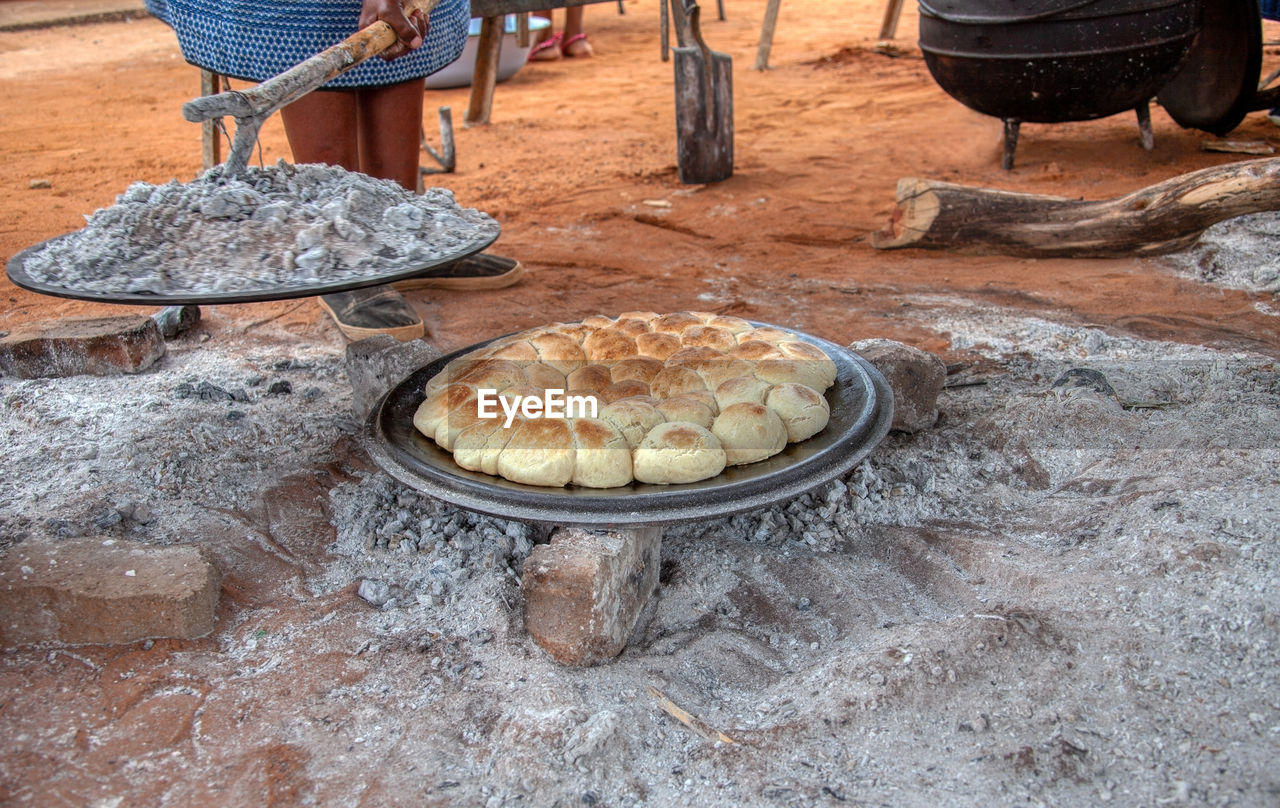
(1216, 85)
(17, 273)
(861, 411)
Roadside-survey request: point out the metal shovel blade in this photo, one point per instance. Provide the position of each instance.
(704, 115)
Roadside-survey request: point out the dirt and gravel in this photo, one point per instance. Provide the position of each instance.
(1062, 593)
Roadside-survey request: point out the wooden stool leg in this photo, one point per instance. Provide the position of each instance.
(664, 30)
(210, 137)
(485, 76)
(522, 29)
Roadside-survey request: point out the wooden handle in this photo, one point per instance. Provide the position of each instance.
(260, 101)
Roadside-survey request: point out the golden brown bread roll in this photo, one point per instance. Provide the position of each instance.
(459, 418)
(624, 389)
(437, 406)
(633, 417)
(647, 316)
(674, 323)
(640, 368)
(594, 378)
(694, 355)
(734, 325)
(632, 328)
(492, 374)
(677, 452)
(676, 381)
(449, 373)
(544, 377)
(707, 397)
(657, 346)
(749, 433)
(559, 351)
(802, 409)
(782, 371)
(765, 333)
(608, 345)
(717, 371)
(574, 331)
(755, 350)
(478, 446)
(602, 457)
(819, 363)
(520, 352)
(708, 336)
(540, 452)
(741, 388)
(687, 408)
(597, 321)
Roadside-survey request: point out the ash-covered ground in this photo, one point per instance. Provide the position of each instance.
(1061, 594)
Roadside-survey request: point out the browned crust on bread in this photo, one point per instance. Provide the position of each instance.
(657, 346)
(674, 323)
(609, 345)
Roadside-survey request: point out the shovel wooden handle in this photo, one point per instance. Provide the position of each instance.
(694, 15)
(260, 101)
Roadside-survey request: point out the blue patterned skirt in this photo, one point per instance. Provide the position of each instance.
(257, 40)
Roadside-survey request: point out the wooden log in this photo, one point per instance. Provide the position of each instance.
(1159, 219)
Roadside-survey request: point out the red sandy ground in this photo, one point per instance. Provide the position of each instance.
(575, 156)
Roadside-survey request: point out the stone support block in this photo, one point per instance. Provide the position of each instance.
(916, 378)
(91, 591)
(584, 592)
(97, 346)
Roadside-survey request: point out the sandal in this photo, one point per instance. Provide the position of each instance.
(584, 52)
(548, 50)
(480, 271)
(364, 313)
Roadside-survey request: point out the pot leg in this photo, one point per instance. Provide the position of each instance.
(1145, 136)
(1011, 126)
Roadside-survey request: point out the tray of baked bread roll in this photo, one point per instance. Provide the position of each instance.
(683, 432)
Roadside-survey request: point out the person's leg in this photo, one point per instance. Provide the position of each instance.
(575, 37)
(321, 128)
(389, 131)
(546, 46)
(325, 127)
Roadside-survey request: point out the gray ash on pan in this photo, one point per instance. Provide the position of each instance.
(271, 228)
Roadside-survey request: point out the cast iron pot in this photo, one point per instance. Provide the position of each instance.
(1049, 61)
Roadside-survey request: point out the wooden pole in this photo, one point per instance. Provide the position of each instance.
(1159, 219)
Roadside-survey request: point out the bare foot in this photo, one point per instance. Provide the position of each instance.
(576, 47)
(546, 50)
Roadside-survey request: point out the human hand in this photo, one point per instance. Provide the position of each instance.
(409, 30)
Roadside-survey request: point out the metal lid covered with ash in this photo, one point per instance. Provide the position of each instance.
(286, 230)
